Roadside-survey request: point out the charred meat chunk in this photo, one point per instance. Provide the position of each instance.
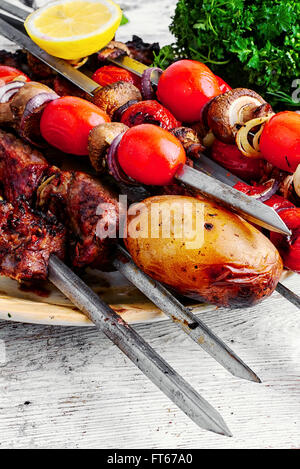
(21, 168)
(16, 59)
(64, 87)
(88, 210)
(38, 69)
(27, 239)
(113, 50)
(142, 51)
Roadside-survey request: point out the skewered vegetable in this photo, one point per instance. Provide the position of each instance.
(66, 123)
(111, 74)
(230, 157)
(280, 141)
(254, 43)
(190, 141)
(8, 74)
(289, 247)
(220, 258)
(150, 155)
(185, 87)
(112, 97)
(99, 141)
(149, 112)
(230, 110)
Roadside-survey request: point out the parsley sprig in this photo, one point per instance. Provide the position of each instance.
(253, 44)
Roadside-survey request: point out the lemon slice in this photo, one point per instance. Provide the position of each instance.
(71, 29)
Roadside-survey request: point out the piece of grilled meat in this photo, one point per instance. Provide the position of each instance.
(88, 209)
(73, 197)
(21, 168)
(27, 239)
(142, 51)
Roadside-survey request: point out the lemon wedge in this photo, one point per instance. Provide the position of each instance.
(71, 29)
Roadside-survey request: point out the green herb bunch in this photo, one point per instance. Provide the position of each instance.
(253, 44)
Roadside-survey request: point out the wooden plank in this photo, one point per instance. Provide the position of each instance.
(70, 387)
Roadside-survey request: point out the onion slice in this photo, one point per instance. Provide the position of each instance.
(113, 165)
(146, 85)
(271, 187)
(242, 136)
(30, 121)
(9, 90)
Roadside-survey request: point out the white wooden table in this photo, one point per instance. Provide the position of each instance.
(71, 388)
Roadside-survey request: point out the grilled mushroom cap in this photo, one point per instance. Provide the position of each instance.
(228, 110)
(100, 138)
(28, 91)
(111, 97)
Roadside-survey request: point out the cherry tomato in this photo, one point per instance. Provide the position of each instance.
(280, 140)
(149, 112)
(184, 88)
(230, 157)
(277, 202)
(224, 87)
(150, 155)
(66, 123)
(110, 74)
(8, 74)
(289, 246)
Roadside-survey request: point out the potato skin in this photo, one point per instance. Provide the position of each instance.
(231, 263)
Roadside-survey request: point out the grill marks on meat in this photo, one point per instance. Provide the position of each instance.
(77, 200)
(21, 168)
(74, 198)
(27, 239)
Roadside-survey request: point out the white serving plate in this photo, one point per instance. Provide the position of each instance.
(45, 304)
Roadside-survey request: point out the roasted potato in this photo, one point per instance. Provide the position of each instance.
(207, 254)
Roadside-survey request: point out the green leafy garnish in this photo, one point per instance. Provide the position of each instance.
(249, 44)
(124, 20)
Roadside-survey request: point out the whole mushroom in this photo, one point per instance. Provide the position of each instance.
(228, 111)
(100, 138)
(112, 97)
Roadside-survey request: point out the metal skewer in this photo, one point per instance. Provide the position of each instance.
(135, 348)
(183, 317)
(202, 335)
(234, 200)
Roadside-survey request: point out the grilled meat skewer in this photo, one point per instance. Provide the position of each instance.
(72, 196)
